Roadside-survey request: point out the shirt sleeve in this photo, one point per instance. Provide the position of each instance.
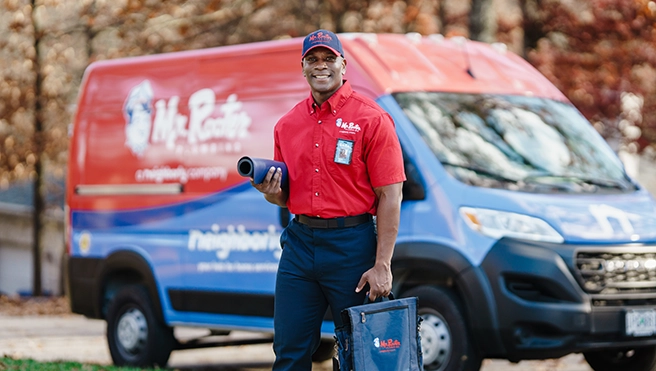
(383, 154)
(277, 154)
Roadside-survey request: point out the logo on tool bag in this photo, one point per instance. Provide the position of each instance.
(388, 345)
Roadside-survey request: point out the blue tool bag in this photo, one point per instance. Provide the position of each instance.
(380, 336)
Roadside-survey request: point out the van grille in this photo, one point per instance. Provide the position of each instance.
(617, 272)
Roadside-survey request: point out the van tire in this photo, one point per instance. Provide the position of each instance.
(635, 359)
(445, 338)
(325, 351)
(134, 335)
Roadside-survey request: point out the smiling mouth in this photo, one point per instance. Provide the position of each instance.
(321, 77)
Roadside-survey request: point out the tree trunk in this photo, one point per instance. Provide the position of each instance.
(532, 25)
(38, 167)
(482, 22)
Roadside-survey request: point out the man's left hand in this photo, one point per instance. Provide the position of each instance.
(380, 281)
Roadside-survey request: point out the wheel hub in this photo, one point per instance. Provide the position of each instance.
(435, 341)
(132, 330)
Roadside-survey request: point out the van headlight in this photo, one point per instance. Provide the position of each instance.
(497, 224)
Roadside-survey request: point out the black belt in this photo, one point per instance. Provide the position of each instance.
(343, 222)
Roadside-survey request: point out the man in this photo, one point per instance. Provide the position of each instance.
(344, 165)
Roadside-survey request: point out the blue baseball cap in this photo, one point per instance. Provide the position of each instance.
(322, 38)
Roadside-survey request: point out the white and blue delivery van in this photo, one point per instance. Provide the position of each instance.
(521, 234)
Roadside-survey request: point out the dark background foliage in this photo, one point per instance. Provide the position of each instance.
(600, 53)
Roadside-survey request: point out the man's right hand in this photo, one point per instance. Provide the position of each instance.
(271, 182)
(271, 187)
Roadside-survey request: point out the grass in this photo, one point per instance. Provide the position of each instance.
(10, 364)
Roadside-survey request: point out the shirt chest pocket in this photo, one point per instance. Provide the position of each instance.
(345, 150)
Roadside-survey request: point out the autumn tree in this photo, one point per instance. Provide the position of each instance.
(602, 55)
(17, 94)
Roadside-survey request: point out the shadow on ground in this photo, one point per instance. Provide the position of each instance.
(226, 367)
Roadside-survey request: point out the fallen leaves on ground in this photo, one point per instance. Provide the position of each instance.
(32, 306)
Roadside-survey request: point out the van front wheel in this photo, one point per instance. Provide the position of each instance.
(134, 335)
(636, 359)
(445, 340)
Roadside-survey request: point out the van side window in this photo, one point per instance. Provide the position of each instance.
(413, 187)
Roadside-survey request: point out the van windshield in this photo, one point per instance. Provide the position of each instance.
(513, 142)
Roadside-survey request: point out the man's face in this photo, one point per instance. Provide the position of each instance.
(324, 71)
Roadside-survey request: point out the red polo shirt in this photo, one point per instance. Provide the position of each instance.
(337, 153)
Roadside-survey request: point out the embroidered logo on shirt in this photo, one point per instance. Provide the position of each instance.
(344, 151)
(348, 126)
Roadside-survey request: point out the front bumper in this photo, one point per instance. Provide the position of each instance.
(545, 306)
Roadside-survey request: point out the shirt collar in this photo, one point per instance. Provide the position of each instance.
(335, 102)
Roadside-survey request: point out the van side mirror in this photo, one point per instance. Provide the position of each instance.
(413, 187)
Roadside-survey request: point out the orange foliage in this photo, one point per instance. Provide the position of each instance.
(594, 50)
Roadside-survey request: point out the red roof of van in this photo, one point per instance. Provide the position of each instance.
(379, 64)
(410, 62)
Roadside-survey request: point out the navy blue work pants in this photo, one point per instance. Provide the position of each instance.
(318, 268)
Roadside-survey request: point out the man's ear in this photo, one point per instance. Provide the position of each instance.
(343, 66)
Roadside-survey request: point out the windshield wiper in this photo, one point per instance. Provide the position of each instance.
(602, 183)
(521, 183)
(479, 170)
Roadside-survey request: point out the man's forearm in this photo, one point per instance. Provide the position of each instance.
(387, 221)
(379, 277)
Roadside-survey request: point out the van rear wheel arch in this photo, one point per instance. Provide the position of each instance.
(123, 268)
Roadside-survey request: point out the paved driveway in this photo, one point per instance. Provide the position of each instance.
(76, 338)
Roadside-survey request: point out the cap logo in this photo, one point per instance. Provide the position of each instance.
(320, 36)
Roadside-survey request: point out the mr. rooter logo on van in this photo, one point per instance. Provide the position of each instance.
(186, 135)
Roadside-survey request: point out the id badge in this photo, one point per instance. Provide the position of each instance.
(344, 151)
